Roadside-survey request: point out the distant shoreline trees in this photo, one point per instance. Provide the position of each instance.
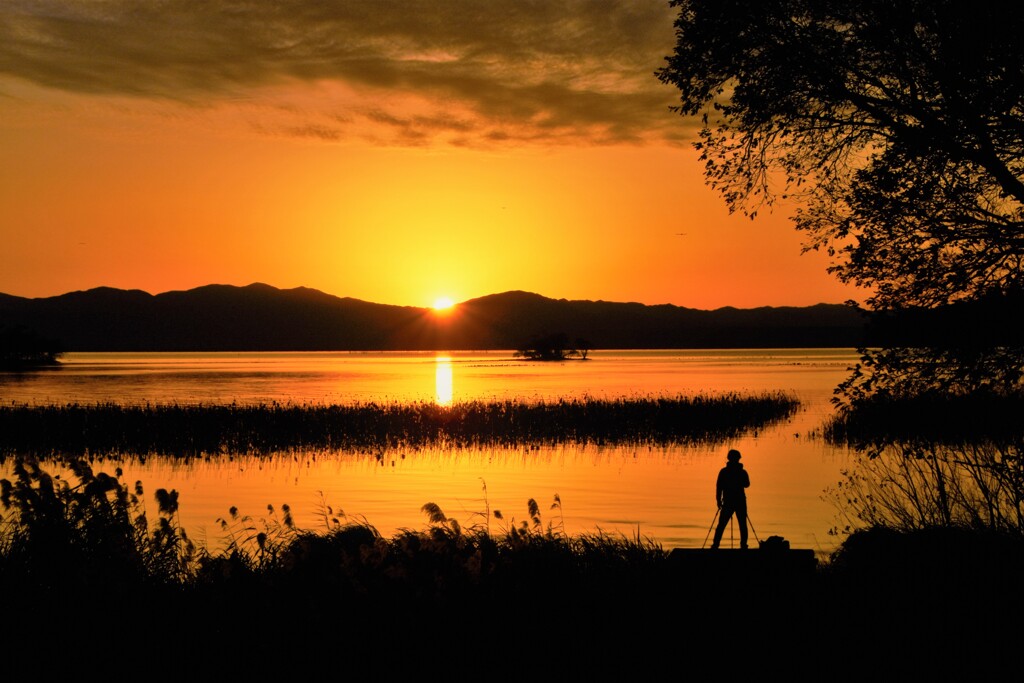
(22, 349)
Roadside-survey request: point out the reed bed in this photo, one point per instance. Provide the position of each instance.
(936, 418)
(195, 430)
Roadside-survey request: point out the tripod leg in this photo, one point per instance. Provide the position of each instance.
(713, 520)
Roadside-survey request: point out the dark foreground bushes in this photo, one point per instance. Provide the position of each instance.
(90, 582)
(938, 417)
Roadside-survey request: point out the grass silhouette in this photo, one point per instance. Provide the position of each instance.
(90, 577)
(72, 430)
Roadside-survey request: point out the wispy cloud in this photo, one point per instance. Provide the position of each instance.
(465, 72)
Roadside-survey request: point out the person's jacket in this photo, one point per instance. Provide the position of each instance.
(732, 482)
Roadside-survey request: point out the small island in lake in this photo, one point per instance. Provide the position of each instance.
(555, 347)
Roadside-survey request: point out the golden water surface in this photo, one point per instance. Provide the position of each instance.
(662, 493)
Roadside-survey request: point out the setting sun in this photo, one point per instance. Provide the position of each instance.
(437, 192)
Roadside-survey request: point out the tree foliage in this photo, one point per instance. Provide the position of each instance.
(896, 127)
(554, 346)
(21, 348)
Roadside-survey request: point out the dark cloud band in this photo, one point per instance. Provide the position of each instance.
(521, 69)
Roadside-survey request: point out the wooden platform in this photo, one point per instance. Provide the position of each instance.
(755, 561)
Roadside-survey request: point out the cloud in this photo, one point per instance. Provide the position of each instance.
(465, 72)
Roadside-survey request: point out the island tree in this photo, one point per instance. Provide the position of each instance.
(555, 346)
(583, 347)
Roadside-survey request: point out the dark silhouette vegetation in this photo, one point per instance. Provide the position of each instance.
(931, 459)
(891, 128)
(938, 418)
(554, 347)
(985, 323)
(196, 430)
(89, 564)
(22, 349)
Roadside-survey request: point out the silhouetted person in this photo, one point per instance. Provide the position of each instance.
(731, 497)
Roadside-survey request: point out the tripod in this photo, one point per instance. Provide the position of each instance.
(731, 537)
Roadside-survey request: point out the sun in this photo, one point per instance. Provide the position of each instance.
(443, 303)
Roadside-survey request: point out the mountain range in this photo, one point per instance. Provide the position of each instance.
(259, 317)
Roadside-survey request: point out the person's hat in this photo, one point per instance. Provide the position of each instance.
(733, 455)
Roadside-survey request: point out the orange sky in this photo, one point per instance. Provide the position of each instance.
(448, 149)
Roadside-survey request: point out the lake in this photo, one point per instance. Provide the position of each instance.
(662, 493)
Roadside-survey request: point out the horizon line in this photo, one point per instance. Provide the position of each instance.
(456, 304)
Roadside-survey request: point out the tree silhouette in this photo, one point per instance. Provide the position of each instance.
(549, 347)
(898, 127)
(583, 346)
(21, 348)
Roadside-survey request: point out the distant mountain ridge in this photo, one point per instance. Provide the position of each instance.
(259, 317)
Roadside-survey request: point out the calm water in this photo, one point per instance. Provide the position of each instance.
(666, 494)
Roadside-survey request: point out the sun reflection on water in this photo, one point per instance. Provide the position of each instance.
(443, 380)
